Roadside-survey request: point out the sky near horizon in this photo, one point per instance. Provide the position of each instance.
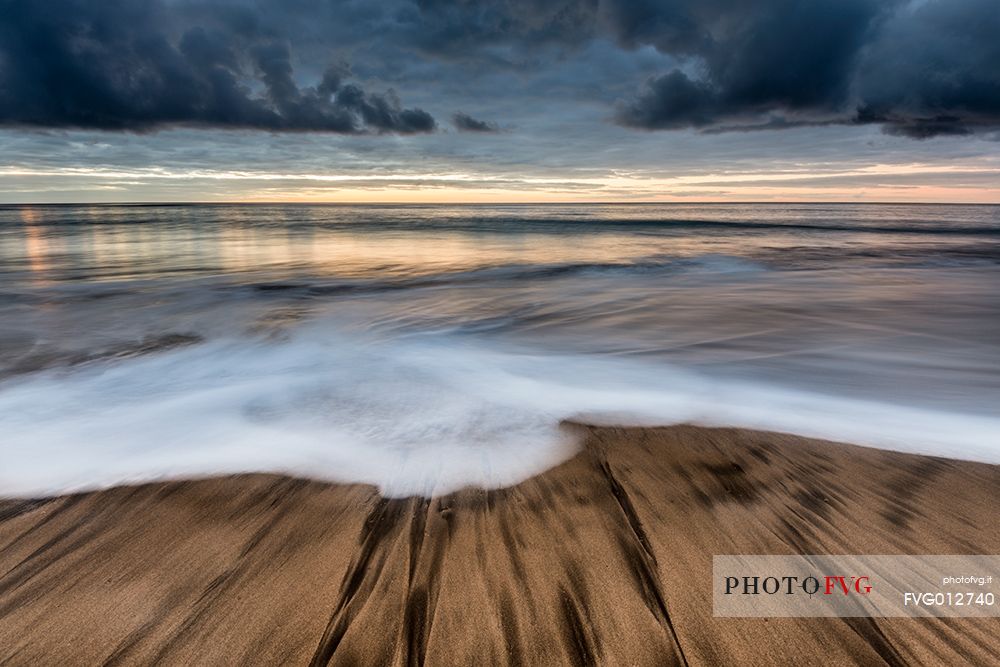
(499, 100)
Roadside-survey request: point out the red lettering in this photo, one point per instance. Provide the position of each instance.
(831, 585)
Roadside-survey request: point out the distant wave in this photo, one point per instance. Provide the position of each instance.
(511, 272)
(919, 228)
(528, 224)
(596, 225)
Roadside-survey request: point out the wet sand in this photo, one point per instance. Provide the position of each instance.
(605, 559)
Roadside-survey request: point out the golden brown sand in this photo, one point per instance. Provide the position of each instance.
(605, 559)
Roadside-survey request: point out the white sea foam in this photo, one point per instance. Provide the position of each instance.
(418, 415)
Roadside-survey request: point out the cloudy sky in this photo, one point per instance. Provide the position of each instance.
(499, 100)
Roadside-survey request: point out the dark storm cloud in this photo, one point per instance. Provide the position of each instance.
(466, 123)
(918, 69)
(126, 65)
(936, 70)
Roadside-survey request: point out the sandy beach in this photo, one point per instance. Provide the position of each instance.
(605, 559)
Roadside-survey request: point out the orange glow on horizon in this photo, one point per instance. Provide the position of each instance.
(872, 194)
(975, 182)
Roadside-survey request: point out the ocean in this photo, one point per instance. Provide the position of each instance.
(425, 348)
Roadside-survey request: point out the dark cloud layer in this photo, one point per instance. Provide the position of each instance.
(917, 68)
(130, 65)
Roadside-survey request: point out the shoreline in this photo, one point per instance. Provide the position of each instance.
(603, 559)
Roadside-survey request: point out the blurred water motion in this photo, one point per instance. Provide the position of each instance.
(444, 343)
